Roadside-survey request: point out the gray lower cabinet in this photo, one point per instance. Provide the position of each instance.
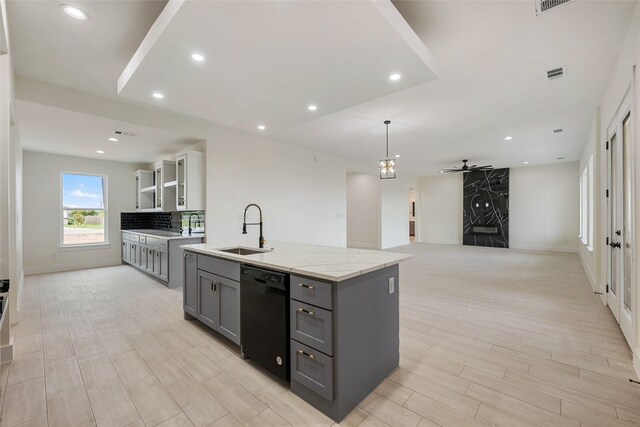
(208, 304)
(211, 298)
(155, 256)
(190, 288)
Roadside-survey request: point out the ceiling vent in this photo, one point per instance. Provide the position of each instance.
(125, 133)
(543, 6)
(559, 130)
(556, 73)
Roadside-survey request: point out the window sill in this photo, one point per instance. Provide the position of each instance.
(84, 246)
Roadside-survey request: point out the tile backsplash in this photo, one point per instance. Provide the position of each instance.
(156, 220)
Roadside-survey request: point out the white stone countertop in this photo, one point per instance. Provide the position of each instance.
(165, 234)
(323, 262)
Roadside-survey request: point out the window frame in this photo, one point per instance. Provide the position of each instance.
(590, 204)
(584, 206)
(105, 198)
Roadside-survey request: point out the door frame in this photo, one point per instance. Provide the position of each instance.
(625, 318)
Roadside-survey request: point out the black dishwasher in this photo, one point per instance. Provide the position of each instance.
(264, 318)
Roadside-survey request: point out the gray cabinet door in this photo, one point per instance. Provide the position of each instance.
(228, 295)
(190, 287)
(208, 311)
(134, 253)
(151, 261)
(125, 244)
(163, 267)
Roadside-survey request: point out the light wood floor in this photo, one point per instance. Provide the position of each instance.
(489, 337)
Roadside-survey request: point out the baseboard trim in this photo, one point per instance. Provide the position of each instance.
(6, 353)
(592, 279)
(543, 248)
(361, 245)
(441, 242)
(55, 268)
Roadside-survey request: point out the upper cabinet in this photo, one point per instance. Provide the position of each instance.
(172, 185)
(144, 189)
(190, 180)
(165, 180)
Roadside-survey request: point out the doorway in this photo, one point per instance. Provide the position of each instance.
(619, 231)
(412, 216)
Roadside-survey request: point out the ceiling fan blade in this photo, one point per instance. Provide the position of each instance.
(483, 167)
(450, 170)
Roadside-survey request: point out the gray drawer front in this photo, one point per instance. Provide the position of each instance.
(221, 267)
(126, 236)
(163, 245)
(312, 326)
(312, 292)
(152, 242)
(143, 239)
(312, 369)
(134, 237)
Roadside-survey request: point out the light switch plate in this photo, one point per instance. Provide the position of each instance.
(392, 285)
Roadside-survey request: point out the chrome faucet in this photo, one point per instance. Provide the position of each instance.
(197, 222)
(179, 223)
(261, 241)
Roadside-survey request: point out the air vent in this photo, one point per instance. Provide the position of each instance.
(543, 6)
(556, 73)
(125, 133)
(559, 130)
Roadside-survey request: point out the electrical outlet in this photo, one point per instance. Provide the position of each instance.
(392, 285)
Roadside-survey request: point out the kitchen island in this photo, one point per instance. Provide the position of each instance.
(343, 313)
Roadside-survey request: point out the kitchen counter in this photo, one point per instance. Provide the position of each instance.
(165, 234)
(323, 262)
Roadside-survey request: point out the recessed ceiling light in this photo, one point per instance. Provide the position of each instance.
(100, 152)
(508, 138)
(262, 127)
(74, 12)
(113, 139)
(397, 156)
(394, 77)
(525, 163)
(197, 57)
(158, 95)
(312, 107)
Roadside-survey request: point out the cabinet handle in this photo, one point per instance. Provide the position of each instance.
(304, 353)
(310, 287)
(310, 313)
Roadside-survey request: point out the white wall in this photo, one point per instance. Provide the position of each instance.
(543, 207)
(363, 211)
(42, 211)
(440, 216)
(394, 219)
(302, 193)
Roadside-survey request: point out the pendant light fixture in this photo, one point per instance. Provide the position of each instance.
(388, 165)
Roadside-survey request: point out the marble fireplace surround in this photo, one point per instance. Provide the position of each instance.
(486, 208)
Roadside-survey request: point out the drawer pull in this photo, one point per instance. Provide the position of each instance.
(310, 313)
(304, 353)
(310, 287)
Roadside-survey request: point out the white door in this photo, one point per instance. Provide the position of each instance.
(620, 220)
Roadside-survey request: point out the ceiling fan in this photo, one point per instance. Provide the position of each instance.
(466, 168)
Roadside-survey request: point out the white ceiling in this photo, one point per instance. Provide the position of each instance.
(491, 58)
(50, 46)
(266, 61)
(54, 130)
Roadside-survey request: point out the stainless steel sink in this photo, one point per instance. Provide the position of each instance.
(244, 251)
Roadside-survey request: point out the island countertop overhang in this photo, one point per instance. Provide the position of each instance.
(323, 262)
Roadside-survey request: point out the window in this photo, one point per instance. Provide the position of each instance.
(584, 218)
(587, 195)
(83, 209)
(591, 196)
